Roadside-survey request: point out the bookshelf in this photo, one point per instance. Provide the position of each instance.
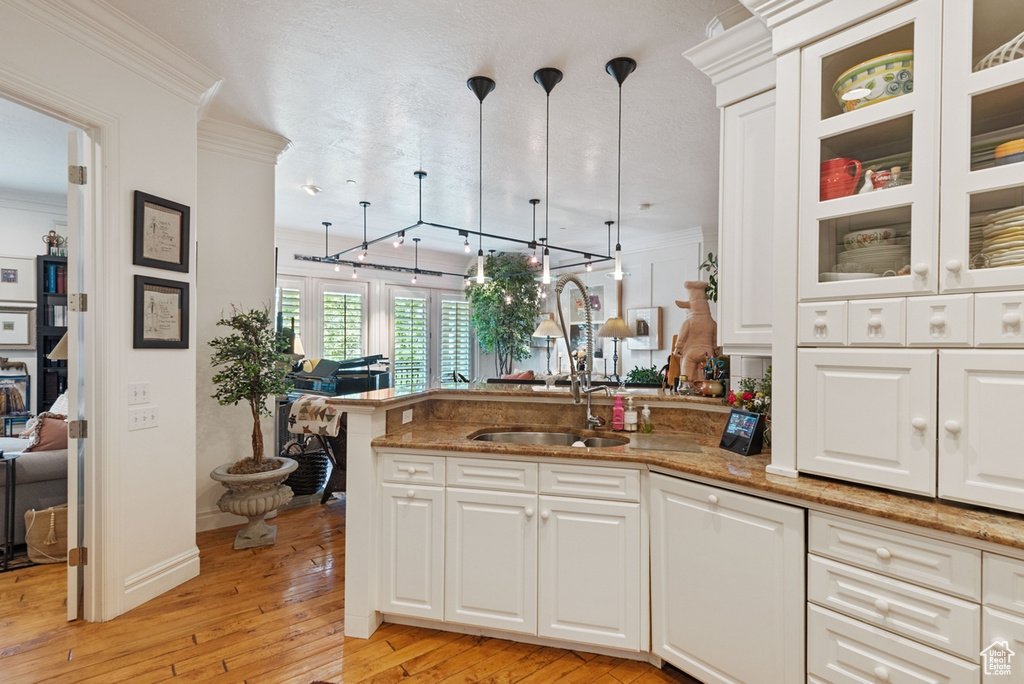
(51, 324)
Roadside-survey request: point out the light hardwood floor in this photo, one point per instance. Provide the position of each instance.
(274, 614)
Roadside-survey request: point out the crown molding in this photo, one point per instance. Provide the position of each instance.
(795, 23)
(42, 203)
(106, 30)
(240, 141)
(775, 12)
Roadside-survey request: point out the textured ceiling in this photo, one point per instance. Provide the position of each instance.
(33, 154)
(374, 90)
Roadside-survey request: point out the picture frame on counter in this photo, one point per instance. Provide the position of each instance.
(161, 314)
(161, 233)
(646, 326)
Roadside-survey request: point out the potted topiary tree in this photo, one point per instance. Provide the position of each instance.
(251, 368)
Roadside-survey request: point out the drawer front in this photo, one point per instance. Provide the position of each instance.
(822, 324)
(618, 484)
(1004, 584)
(934, 564)
(841, 650)
(999, 319)
(946, 321)
(934, 619)
(997, 661)
(878, 322)
(412, 468)
(480, 473)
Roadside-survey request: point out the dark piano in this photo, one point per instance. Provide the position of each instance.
(351, 376)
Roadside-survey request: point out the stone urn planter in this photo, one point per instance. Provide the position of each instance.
(253, 496)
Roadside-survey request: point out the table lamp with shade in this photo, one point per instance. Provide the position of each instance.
(60, 350)
(548, 329)
(616, 329)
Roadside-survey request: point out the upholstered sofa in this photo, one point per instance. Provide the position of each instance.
(42, 481)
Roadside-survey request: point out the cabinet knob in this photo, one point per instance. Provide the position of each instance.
(1011, 318)
(411, 470)
(919, 423)
(883, 553)
(921, 269)
(528, 512)
(937, 321)
(952, 426)
(881, 605)
(953, 265)
(819, 323)
(411, 494)
(875, 322)
(881, 674)
(712, 499)
(544, 515)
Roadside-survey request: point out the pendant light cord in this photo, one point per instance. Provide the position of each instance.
(480, 213)
(618, 206)
(547, 157)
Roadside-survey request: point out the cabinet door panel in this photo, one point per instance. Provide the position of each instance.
(878, 322)
(1004, 583)
(412, 548)
(946, 321)
(981, 410)
(822, 324)
(999, 319)
(727, 583)
(998, 627)
(491, 560)
(868, 416)
(589, 572)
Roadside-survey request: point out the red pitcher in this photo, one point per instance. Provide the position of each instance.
(839, 177)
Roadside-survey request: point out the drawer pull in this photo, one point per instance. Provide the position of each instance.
(712, 499)
(881, 605)
(919, 423)
(953, 265)
(411, 470)
(1011, 318)
(528, 512)
(883, 553)
(921, 269)
(937, 321)
(881, 674)
(411, 494)
(544, 515)
(952, 427)
(875, 322)
(819, 323)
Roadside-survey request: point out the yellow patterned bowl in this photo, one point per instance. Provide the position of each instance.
(876, 80)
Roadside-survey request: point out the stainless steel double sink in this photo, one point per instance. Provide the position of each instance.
(550, 438)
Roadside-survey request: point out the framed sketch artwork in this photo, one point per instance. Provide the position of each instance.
(646, 326)
(160, 236)
(17, 328)
(161, 314)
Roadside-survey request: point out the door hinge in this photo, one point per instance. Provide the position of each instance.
(78, 302)
(78, 556)
(77, 175)
(78, 429)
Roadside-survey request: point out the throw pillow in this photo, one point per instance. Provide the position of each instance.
(523, 375)
(50, 433)
(60, 407)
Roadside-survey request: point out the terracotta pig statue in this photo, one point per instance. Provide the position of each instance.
(696, 338)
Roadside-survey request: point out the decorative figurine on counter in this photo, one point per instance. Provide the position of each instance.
(696, 339)
(54, 242)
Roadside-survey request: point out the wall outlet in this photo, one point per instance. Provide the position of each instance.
(138, 393)
(143, 417)
(406, 416)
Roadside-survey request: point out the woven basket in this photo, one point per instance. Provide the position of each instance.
(311, 474)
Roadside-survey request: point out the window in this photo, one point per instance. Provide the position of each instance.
(455, 344)
(410, 359)
(343, 325)
(289, 307)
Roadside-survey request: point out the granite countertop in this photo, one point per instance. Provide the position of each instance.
(716, 464)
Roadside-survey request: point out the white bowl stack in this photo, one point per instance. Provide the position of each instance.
(1003, 237)
(877, 259)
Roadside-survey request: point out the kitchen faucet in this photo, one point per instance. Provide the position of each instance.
(580, 380)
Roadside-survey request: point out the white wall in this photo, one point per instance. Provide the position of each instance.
(235, 235)
(140, 99)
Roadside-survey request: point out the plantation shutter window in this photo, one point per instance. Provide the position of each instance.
(289, 307)
(411, 355)
(455, 344)
(343, 325)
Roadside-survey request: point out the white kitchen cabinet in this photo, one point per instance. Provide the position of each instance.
(868, 416)
(822, 324)
(589, 571)
(412, 550)
(727, 584)
(491, 559)
(981, 407)
(1002, 640)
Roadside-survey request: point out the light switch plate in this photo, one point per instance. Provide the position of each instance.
(138, 393)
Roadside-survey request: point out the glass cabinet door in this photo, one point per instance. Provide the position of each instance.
(869, 152)
(982, 208)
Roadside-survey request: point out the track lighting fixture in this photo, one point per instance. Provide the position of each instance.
(619, 68)
(311, 189)
(354, 274)
(327, 243)
(365, 253)
(481, 87)
(399, 240)
(533, 242)
(337, 268)
(548, 78)
(465, 245)
(416, 268)
(589, 265)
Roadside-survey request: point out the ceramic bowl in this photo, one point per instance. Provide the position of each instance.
(876, 80)
(832, 277)
(874, 237)
(1011, 152)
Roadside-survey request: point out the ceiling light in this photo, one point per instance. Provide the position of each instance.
(337, 268)
(481, 87)
(400, 240)
(350, 181)
(327, 243)
(364, 204)
(354, 274)
(589, 266)
(312, 189)
(619, 68)
(533, 242)
(416, 267)
(548, 78)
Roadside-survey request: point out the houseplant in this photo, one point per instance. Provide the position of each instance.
(504, 309)
(646, 377)
(251, 368)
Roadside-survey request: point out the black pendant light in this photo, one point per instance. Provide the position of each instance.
(416, 268)
(548, 78)
(364, 253)
(481, 87)
(619, 68)
(533, 242)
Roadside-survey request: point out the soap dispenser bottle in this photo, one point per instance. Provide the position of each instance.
(629, 418)
(618, 414)
(645, 416)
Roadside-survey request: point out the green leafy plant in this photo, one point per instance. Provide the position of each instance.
(251, 368)
(644, 376)
(711, 266)
(503, 309)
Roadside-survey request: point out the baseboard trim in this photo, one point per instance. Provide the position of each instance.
(157, 579)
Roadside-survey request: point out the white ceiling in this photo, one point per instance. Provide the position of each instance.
(33, 154)
(372, 90)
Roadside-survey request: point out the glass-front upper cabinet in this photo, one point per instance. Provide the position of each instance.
(982, 208)
(869, 155)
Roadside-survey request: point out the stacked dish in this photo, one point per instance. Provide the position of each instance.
(1002, 238)
(977, 238)
(878, 259)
